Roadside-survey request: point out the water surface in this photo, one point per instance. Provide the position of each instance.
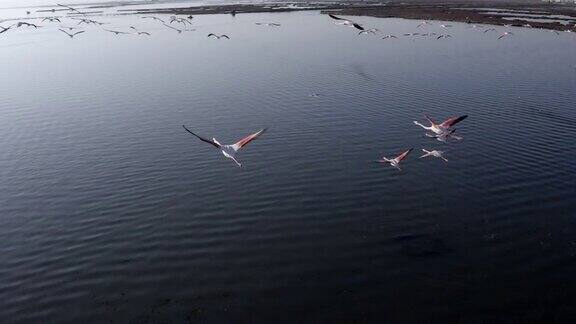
(110, 212)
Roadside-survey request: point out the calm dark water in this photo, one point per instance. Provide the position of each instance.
(110, 212)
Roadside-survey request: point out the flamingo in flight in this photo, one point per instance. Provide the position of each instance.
(440, 129)
(346, 22)
(369, 31)
(229, 151)
(70, 34)
(395, 162)
(218, 37)
(434, 153)
(505, 34)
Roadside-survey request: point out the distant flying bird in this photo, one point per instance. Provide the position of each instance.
(83, 21)
(69, 28)
(190, 17)
(389, 36)
(71, 9)
(218, 37)
(505, 34)
(51, 19)
(369, 31)
(87, 21)
(155, 18)
(144, 33)
(134, 28)
(21, 23)
(422, 24)
(489, 30)
(180, 20)
(346, 22)
(395, 162)
(116, 32)
(444, 36)
(443, 127)
(268, 24)
(229, 151)
(71, 35)
(434, 153)
(27, 12)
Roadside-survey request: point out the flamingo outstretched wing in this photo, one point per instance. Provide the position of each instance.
(453, 121)
(202, 138)
(243, 142)
(403, 155)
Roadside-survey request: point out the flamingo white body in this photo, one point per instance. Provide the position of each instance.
(445, 126)
(434, 153)
(444, 136)
(395, 162)
(230, 151)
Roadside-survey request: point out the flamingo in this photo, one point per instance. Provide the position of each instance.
(505, 34)
(268, 24)
(218, 37)
(346, 22)
(395, 162)
(69, 34)
(434, 153)
(115, 32)
(229, 151)
(439, 129)
(369, 31)
(51, 19)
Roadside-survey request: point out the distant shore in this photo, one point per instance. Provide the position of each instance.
(520, 14)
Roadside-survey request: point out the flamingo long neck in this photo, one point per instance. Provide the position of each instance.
(425, 127)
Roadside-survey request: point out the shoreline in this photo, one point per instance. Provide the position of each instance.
(536, 15)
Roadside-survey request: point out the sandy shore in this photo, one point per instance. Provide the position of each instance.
(527, 13)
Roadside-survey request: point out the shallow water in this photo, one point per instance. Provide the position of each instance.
(110, 212)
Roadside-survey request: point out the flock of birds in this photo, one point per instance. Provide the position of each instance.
(442, 132)
(180, 24)
(374, 31)
(177, 24)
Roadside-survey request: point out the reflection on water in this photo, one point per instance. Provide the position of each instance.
(110, 212)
